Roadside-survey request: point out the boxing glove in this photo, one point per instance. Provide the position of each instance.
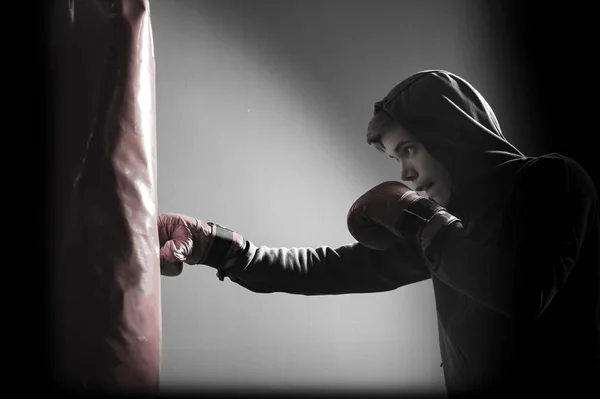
(185, 239)
(390, 212)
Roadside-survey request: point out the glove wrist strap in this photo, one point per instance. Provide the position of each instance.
(223, 246)
(436, 224)
(421, 220)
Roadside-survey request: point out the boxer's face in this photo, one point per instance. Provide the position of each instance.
(418, 165)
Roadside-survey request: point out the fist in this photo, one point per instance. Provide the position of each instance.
(182, 239)
(373, 218)
(391, 211)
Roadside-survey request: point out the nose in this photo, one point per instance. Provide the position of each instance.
(408, 173)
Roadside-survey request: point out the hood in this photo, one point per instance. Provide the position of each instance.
(454, 123)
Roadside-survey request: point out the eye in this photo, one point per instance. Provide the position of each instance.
(408, 150)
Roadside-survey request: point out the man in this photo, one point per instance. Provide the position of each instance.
(510, 243)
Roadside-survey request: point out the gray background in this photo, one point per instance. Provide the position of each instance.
(262, 109)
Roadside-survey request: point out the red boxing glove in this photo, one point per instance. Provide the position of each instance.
(390, 212)
(187, 239)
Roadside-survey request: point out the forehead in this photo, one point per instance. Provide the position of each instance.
(394, 136)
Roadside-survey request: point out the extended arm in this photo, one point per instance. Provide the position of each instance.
(351, 268)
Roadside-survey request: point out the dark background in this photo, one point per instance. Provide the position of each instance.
(549, 48)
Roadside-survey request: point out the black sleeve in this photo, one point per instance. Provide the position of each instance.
(325, 270)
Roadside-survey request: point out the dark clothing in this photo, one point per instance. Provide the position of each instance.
(516, 286)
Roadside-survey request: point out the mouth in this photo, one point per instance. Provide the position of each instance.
(424, 187)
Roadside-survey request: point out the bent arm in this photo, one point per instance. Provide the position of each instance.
(549, 222)
(325, 270)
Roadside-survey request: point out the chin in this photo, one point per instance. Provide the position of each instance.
(437, 199)
(442, 201)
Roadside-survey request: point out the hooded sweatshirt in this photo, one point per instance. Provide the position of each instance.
(516, 283)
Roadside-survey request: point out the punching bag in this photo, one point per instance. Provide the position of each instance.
(106, 272)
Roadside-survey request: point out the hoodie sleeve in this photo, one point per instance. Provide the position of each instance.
(325, 270)
(551, 211)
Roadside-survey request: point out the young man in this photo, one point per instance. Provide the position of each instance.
(510, 243)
